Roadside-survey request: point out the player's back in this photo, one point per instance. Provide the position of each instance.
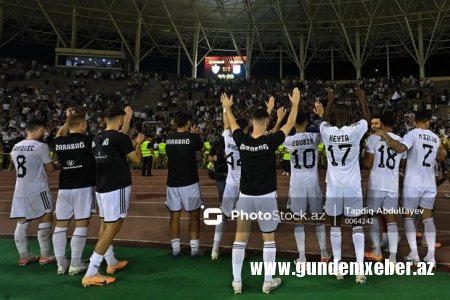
(29, 157)
(110, 149)
(233, 159)
(304, 156)
(423, 147)
(181, 151)
(77, 162)
(384, 174)
(342, 148)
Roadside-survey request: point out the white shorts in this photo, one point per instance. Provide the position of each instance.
(230, 197)
(78, 203)
(347, 201)
(32, 207)
(113, 206)
(384, 199)
(265, 206)
(185, 197)
(415, 197)
(305, 199)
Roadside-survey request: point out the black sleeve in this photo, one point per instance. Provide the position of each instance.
(124, 144)
(276, 139)
(238, 136)
(198, 144)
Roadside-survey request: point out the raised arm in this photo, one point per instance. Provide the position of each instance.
(281, 112)
(227, 103)
(327, 112)
(64, 130)
(226, 124)
(126, 120)
(295, 100)
(135, 157)
(270, 105)
(395, 145)
(363, 100)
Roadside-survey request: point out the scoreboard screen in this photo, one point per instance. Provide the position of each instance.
(225, 67)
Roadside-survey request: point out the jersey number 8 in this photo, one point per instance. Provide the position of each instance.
(21, 169)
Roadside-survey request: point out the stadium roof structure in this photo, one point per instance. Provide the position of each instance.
(300, 30)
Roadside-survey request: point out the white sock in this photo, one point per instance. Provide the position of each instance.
(430, 235)
(59, 245)
(410, 232)
(109, 256)
(44, 238)
(77, 245)
(175, 246)
(375, 235)
(237, 259)
(20, 237)
(322, 239)
(393, 240)
(95, 262)
(220, 228)
(269, 256)
(358, 243)
(194, 246)
(336, 240)
(299, 234)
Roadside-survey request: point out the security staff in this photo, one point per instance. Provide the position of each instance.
(147, 156)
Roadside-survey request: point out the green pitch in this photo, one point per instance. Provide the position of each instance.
(153, 274)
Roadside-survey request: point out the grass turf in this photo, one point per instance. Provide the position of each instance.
(153, 274)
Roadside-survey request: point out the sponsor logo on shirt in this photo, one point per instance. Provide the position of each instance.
(70, 164)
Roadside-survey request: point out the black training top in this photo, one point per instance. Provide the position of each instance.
(181, 148)
(76, 159)
(110, 150)
(258, 162)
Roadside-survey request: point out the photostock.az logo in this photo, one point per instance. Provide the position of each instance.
(212, 216)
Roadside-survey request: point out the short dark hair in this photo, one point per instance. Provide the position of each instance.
(260, 114)
(422, 116)
(302, 117)
(76, 119)
(114, 111)
(35, 124)
(388, 119)
(375, 116)
(181, 119)
(243, 123)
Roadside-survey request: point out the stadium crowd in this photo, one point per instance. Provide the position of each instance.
(24, 99)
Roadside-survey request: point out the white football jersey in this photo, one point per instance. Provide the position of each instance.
(233, 159)
(422, 147)
(342, 148)
(304, 158)
(386, 162)
(29, 157)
